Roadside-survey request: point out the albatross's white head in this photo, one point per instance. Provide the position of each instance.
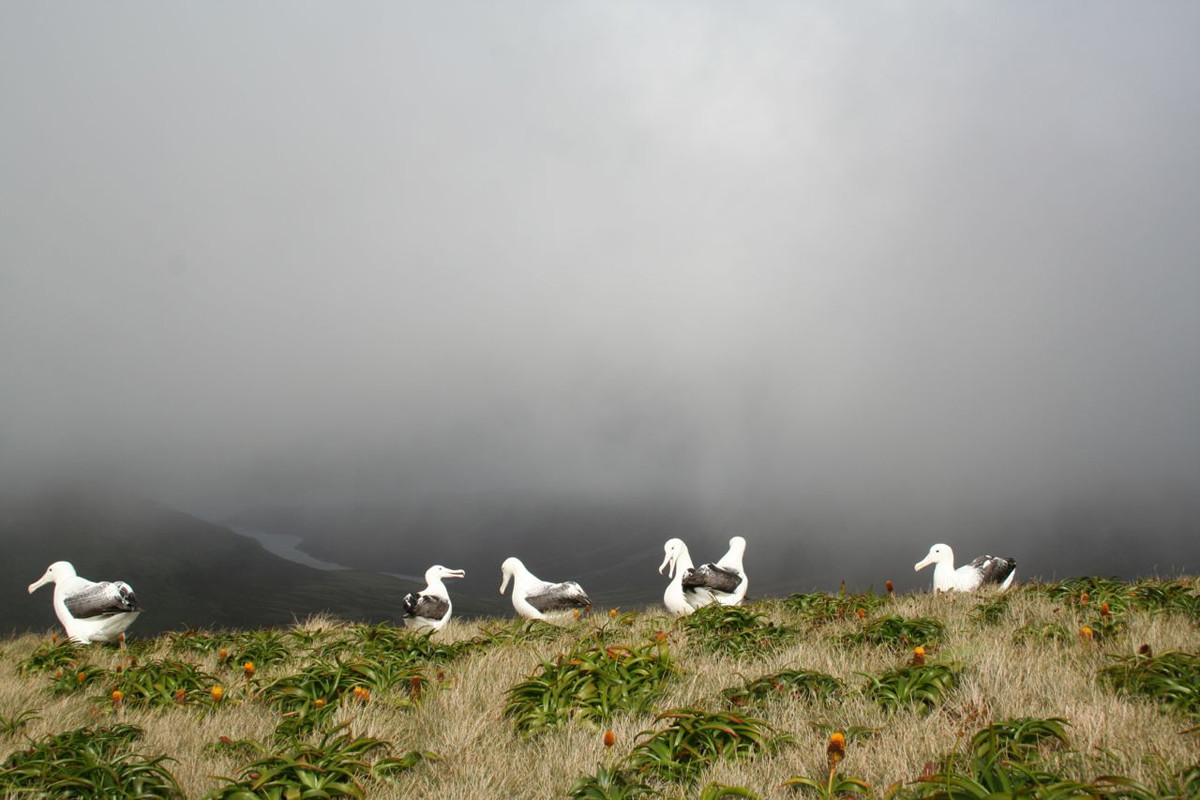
(672, 550)
(437, 573)
(938, 554)
(59, 570)
(511, 566)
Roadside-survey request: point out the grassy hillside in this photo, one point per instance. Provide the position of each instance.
(1089, 688)
(185, 571)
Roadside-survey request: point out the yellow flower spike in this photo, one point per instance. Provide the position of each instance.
(319, 702)
(612, 612)
(222, 654)
(248, 669)
(217, 693)
(117, 698)
(1086, 633)
(576, 613)
(918, 656)
(361, 694)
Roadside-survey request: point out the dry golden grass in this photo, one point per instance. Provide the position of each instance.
(480, 755)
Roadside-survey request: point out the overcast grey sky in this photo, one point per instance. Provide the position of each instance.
(938, 255)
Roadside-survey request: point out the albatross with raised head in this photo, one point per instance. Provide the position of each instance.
(534, 598)
(431, 607)
(983, 571)
(724, 582)
(89, 611)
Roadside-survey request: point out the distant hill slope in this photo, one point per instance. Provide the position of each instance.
(186, 572)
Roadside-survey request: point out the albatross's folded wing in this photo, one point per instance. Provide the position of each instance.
(712, 578)
(559, 597)
(426, 606)
(994, 569)
(101, 598)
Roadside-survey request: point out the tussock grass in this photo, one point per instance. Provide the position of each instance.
(780, 662)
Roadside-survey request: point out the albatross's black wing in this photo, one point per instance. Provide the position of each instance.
(100, 599)
(560, 597)
(994, 569)
(712, 578)
(426, 606)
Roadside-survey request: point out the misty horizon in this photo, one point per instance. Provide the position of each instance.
(905, 274)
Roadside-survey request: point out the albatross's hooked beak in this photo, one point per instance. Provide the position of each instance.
(39, 583)
(670, 559)
(454, 573)
(925, 562)
(504, 583)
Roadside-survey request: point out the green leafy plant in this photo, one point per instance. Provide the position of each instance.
(72, 679)
(1172, 679)
(833, 785)
(593, 684)
(333, 767)
(925, 686)
(51, 656)
(737, 631)
(788, 683)
(528, 631)
(162, 683)
(610, 783)
(694, 739)
(1044, 633)
(991, 612)
(898, 632)
(819, 607)
(10, 726)
(87, 762)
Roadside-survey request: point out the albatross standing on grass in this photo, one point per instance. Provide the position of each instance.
(89, 611)
(676, 557)
(724, 582)
(534, 598)
(430, 607)
(983, 571)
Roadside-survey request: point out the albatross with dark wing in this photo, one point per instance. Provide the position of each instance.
(724, 582)
(430, 607)
(534, 598)
(983, 571)
(89, 611)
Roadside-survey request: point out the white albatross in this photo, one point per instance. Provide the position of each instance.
(534, 598)
(89, 611)
(431, 607)
(676, 557)
(724, 582)
(983, 571)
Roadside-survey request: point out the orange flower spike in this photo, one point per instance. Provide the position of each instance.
(362, 695)
(610, 738)
(54, 638)
(319, 702)
(58, 672)
(576, 613)
(836, 750)
(248, 669)
(180, 696)
(918, 656)
(222, 654)
(861, 614)
(1083, 598)
(217, 693)
(612, 612)
(1105, 611)
(891, 588)
(1086, 633)
(117, 698)
(81, 677)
